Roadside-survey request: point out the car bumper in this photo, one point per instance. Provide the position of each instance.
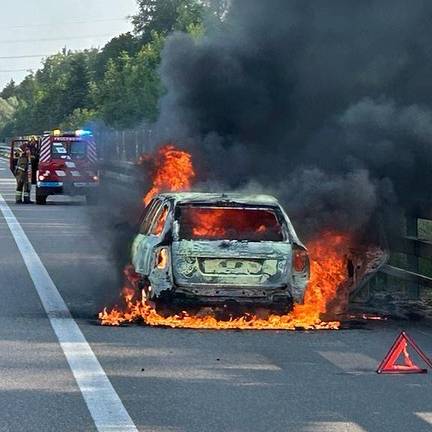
(60, 188)
(241, 295)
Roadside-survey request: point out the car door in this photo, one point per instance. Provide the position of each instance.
(141, 244)
(155, 236)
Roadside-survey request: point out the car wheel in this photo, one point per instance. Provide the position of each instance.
(283, 308)
(146, 290)
(40, 197)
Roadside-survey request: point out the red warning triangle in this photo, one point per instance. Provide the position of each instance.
(400, 346)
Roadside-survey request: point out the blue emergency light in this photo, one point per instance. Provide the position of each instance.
(82, 132)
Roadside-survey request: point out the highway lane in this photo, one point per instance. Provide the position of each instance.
(37, 389)
(182, 380)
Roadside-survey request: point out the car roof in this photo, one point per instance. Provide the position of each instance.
(203, 197)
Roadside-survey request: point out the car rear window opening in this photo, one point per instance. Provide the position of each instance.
(229, 223)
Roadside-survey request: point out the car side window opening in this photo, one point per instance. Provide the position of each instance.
(148, 219)
(160, 220)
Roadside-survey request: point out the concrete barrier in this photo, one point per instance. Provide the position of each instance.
(4, 151)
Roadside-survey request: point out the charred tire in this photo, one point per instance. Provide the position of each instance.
(40, 197)
(145, 287)
(283, 308)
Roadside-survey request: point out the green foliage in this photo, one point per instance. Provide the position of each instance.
(125, 42)
(78, 118)
(131, 87)
(165, 16)
(217, 8)
(7, 110)
(9, 90)
(118, 84)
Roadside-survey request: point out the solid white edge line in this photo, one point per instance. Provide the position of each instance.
(104, 404)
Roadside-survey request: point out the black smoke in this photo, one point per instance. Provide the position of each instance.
(326, 104)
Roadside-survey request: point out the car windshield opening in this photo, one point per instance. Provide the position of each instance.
(59, 149)
(229, 223)
(75, 149)
(78, 149)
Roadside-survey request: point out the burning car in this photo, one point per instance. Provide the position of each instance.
(219, 248)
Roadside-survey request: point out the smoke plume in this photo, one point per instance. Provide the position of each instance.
(325, 104)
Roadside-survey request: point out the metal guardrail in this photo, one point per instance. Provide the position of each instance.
(413, 251)
(407, 275)
(124, 172)
(4, 150)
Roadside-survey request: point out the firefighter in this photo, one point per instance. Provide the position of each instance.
(34, 160)
(21, 175)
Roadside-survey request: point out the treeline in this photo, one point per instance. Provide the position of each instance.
(118, 85)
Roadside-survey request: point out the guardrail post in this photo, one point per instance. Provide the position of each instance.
(413, 288)
(123, 157)
(117, 145)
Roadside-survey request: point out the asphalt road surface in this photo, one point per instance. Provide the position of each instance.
(56, 376)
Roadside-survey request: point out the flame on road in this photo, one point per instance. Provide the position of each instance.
(174, 171)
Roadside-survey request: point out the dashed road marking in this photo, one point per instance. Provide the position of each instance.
(336, 426)
(103, 402)
(426, 416)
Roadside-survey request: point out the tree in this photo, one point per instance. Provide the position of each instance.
(165, 16)
(9, 90)
(124, 43)
(77, 84)
(78, 119)
(131, 88)
(119, 84)
(218, 8)
(7, 110)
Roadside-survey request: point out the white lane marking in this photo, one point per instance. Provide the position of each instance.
(327, 426)
(426, 416)
(104, 404)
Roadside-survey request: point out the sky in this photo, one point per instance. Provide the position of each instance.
(33, 29)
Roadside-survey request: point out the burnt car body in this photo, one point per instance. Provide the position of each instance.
(218, 248)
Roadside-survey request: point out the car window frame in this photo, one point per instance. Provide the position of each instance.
(147, 222)
(156, 219)
(145, 213)
(276, 210)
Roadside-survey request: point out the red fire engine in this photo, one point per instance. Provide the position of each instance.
(67, 165)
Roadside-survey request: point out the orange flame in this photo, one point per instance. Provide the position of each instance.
(328, 274)
(221, 223)
(174, 172)
(209, 224)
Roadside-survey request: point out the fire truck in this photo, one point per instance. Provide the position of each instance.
(67, 165)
